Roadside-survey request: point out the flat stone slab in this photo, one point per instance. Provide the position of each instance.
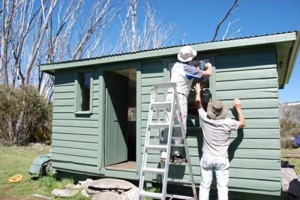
(111, 184)
(287, 175)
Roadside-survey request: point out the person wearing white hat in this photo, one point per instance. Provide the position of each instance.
(182, 74)
(216, 131)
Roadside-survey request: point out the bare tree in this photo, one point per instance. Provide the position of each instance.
(233, 6)
(35, 32)
(235, 33)
(148, 34)
(155, 33)
(42, 31)
(19, 20)
(65, 42)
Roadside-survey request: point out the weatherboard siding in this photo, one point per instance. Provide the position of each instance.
(255, 152)
(75, 138)
(252, 76)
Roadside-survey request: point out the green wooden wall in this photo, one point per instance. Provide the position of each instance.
(252, 76)
(255, 151)
(75, 137)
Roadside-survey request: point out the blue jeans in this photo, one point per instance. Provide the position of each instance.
(210, 164)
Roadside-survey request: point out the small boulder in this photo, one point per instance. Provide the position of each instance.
(106, 196)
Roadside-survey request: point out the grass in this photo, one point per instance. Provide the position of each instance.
(293, 156)
(17, 160)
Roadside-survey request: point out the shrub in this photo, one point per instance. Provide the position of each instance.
(289, 128)
(25, 116)
(286, 143)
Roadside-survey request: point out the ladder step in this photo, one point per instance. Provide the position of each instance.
(156, 147)
(151, 194)
(174, 196)
(164, 85)
(177, 126)
(154, 170)
(161, 104)
(177, 145)
(178, 163)
(184, 181)
(178, 137)
(158, 125)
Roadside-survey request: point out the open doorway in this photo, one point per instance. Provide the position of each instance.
(120, 119)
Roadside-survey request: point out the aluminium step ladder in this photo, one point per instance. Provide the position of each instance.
(157, 122)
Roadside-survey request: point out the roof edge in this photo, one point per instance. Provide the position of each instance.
(293, 58)
(173, 50)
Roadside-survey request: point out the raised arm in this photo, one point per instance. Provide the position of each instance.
(198, 89)
(208, 70)
(238, 107)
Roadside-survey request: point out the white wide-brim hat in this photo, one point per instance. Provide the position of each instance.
(186, 54)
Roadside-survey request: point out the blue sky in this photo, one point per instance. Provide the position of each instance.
(198, 19)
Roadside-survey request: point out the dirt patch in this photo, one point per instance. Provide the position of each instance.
(292, 153)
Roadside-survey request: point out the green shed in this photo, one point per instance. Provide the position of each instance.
(100, 109)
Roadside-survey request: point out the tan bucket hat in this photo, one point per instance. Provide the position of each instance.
(216, 110)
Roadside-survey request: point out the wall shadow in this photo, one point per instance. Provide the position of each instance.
(235, 144)
(237, 141)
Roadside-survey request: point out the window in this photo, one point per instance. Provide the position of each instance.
(84, 80)
(193, 116)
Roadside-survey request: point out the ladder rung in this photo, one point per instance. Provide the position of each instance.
(177, 126)
(161, 104)
(151, 194)
(174, 196)
(156, 147)
(178, 163)
(154, 170)
(177, 145)
(178, 137)
(165, 85)
(184, 181)
(158, 125)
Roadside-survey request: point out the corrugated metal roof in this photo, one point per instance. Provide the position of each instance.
(156, 49)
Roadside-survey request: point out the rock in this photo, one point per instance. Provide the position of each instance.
(64, 192)
(132, 194)
(84, 193)
(39, 196)
(106, 196)
(111, 184)
(90, 191)
(84, 184)
(287, 174)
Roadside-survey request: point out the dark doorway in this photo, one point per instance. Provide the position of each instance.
(120, 118)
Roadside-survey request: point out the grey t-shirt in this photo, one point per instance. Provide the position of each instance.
(216, 134)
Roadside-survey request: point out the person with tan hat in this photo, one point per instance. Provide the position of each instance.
(216, 130)
(182, 74)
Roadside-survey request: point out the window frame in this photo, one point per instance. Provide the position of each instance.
(78, 92)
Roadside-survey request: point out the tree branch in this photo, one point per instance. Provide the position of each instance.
(234, 5)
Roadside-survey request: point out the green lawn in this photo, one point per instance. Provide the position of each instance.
(17, 160)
